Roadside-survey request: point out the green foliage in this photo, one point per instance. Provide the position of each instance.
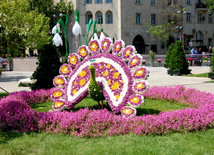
(212, 61)
(152, 55)
(48, 67)
(178, 59)
(49, 8)
(210, 5)
(95, 90)
(168, 53)
(21, 27)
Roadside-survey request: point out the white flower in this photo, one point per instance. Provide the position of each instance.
(57, 40)
(57, 26)
(76, 29)
(102, 36)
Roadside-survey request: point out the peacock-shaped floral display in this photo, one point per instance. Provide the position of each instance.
(117, 68)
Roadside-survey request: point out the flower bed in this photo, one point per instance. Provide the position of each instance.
(99, 123)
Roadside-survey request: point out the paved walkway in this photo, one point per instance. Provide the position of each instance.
(158, 77)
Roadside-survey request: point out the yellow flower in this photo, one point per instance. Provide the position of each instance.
(105, 73)
(74, 91)
(127, 111)
(108, 66)
(127, 53)
(139, 86)
(82, 73)
(116, 74)
(57, 93)
(117, 96)
(139, 72)
(115, 86)
(105, 44)
(94, 46)
(134, 61)
(64, 69)
(117, 47)
(73, 60)
(75, 82)
(58, 104)
(109, 82)
(59, 81)
(101, 67)
(82, 82)
(135, 99)
(83, 52)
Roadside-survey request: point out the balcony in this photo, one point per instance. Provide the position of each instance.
(201, 7)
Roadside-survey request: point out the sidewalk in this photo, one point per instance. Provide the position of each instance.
(158, 77)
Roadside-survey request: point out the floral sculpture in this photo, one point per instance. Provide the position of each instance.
(121, 83)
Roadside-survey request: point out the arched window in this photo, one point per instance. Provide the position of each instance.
(99, 16)
(199, 39)
(139, 44)
(88, 16)
(109, 17)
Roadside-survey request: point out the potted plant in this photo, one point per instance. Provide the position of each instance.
(190, 60)
(159, 60)
(211, 74)
(178, 64)
(168, 55)
(152, 57)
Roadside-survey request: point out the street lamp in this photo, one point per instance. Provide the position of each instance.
(57, 39)
(180, 28)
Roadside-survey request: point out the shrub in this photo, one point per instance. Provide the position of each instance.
(48, 67)
(212, 61)
(178, 61)
(168, 53)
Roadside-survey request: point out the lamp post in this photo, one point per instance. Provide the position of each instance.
(57, 39)
(180, 28)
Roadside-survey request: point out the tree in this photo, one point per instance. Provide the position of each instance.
(168, 18)
(50, 8)
(210, 5)
(21, 28)
(178, 61)
(169, 53)
(48, 67)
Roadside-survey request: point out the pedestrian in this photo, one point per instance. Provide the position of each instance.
(199, 51)
(193, 52)
(210, 50)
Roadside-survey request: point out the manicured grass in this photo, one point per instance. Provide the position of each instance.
(150, 106)
(209, 82)
(198, 75)
(3, 94)
(42, 143)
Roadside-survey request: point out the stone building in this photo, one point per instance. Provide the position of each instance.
(126, 20)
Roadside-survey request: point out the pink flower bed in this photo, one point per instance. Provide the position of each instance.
(99, 123)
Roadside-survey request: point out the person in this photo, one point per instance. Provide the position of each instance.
(210, 50)
(193, 52)
(199, 51)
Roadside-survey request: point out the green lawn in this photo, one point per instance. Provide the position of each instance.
(3, 94)
(42, 143)
(198, 75)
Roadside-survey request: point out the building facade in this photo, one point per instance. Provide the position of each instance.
(126, 20)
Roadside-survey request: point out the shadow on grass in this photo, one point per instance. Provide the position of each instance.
(7, 136)
(142, 111)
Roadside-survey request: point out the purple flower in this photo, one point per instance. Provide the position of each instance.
(118, 47)
(128, 112)
(94, 47)
(83, 51)
(59, 81)
(140, 73)
(73, 60)
(141, 87)
(106, 45)
(135, 61)
(65, 70)
(136, 100)
(128, 52)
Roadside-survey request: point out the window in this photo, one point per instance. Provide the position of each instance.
(138, 18)
(100, 18)
(188, 17)
(210, 42)
(138, 1)
(88, 17)
(171, 2)
(188, 1)
(108, 1)
(98, 1)
(153, 2)
(153, 19)
(199, 18)
(210, 18)
(88, 1)
(109, 18)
